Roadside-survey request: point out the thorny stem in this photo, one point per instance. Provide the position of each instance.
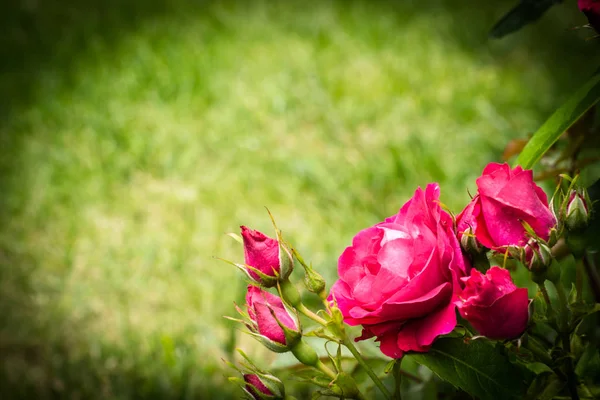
(350, 345)
(579, 280)
(398, 379)
(563, 324)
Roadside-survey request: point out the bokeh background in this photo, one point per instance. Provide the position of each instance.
(134, 134)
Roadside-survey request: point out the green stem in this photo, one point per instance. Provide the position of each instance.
(579, 270)
(304, 310)
(289, 293)
(593, 277)
(544, 291)
(398, 379)
(350, 345)
(563, 325)
(326, 370)
(333, 376)
(538, 350)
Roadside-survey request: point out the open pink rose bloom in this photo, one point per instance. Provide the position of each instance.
(506, 198)
(494, 305)
(400, 278)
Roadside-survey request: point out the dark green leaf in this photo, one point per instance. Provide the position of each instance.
(582, 100)
(526, 12)
(476, 367)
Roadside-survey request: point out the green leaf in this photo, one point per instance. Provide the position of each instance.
(476, 367)
(526, 12)
(581, 101)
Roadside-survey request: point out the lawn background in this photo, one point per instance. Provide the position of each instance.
(135, 134)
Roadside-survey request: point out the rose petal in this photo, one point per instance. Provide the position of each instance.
(418, 335)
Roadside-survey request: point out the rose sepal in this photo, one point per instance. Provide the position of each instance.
(286, 260)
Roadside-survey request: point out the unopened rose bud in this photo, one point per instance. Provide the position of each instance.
(469, 242)
(577, 212)
(538, 257)
(270, 321)
(263, 387)
(267, 259)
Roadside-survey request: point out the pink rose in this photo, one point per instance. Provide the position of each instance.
(493, 304)
(400, 277)
(506, 198)
(265, 257)
(267, 312)
(591, 9)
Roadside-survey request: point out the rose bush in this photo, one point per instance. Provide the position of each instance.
(493, 304)
(505, 199)
(399, 279)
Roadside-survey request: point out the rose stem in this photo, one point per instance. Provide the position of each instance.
(542, 287)
(326, 370)
(398, 378)
(564, 333)
(304, 310)
(579, 281)
(350, 345)
(333, 376)
(592, 273)
(541, 354)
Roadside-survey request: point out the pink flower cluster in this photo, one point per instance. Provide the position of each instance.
(403, 279)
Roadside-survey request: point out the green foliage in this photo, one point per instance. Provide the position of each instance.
(134, 134)
(524, 13)
(565, 116)
(477, 367)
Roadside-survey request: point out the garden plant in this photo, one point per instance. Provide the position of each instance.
(433, 287)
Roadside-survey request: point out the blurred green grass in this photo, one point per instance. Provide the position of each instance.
(135, 134)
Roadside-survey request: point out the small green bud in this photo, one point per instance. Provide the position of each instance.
(577, 211)
(469, 242)
(541, 257)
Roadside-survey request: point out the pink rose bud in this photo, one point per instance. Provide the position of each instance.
(493, 305)
(591, 9)
(507, 201)
(399, 278)
(270, 321)
(267, 260)
(258, 386)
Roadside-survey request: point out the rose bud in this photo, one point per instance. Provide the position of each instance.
(267, 260)
(263, 387)
(507, 202)
(270, 321)
(591, 9)
(577, 212)
(399, 278)
(493, 305)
